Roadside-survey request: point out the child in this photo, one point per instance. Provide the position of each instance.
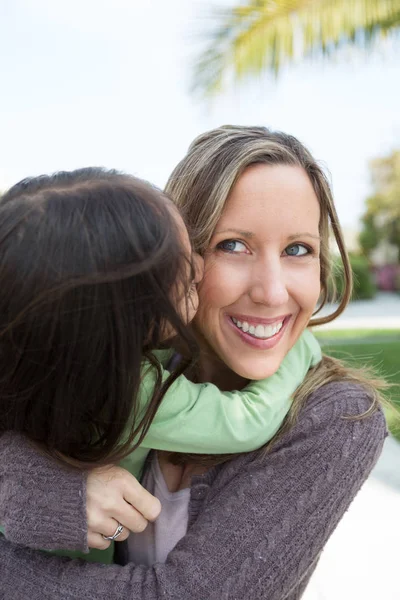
(96, 273)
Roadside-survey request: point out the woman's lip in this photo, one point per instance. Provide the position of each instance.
(259, 343)
(258, 320)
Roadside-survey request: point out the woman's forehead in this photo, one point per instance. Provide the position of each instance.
(271, 194)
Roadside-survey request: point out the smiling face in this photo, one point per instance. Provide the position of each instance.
(262, 274)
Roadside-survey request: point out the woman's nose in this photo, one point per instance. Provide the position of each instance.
(269, 285)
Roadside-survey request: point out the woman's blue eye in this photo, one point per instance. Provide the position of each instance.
(297, 250)
(231, 246)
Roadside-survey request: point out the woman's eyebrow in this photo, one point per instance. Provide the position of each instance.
(250, 234)
(303, 234)
(246, 234)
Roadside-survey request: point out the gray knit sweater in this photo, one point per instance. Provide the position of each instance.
(256, 529)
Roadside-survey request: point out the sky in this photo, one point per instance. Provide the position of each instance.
(107, 82)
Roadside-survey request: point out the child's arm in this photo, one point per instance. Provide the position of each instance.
(199, 418)
(42, 502)
(205, 420)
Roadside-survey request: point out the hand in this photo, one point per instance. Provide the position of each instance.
(115, 496)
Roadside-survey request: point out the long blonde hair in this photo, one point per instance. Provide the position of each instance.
(200, 185)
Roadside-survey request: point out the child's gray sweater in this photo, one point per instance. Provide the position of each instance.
(256, 529)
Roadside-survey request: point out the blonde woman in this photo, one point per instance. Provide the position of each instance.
(242, 526)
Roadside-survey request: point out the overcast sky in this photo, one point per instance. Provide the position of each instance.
(91, 82)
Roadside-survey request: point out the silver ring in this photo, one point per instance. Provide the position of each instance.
(117, 533)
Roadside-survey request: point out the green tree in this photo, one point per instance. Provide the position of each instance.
(381, 220)
(263, 35)
(370, 235)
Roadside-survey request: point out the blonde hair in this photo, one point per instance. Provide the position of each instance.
(200, 185)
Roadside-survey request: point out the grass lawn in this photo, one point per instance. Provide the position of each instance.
(378, 348)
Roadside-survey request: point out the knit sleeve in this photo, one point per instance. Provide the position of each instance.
(42, 503)
(263, 522)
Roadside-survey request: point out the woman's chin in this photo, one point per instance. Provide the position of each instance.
(254, 371)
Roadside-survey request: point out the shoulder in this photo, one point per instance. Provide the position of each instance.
(346, 408)
(339, 396)
(331, 432)
(339, 414)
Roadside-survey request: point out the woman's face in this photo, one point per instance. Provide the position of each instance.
(262, 273)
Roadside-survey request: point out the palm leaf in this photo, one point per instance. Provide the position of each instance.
(264, 35)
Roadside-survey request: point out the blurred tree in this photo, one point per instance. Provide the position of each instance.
(370, 236)
(264, 35)
(381, 220)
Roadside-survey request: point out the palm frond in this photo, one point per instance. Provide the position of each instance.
(264, 35)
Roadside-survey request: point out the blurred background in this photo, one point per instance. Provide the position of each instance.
(128, 85)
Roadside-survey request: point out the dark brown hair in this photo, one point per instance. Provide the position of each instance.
(88, 264)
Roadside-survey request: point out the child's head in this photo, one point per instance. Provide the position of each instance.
(95, 270)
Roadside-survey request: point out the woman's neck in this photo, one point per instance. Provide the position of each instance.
(212, 369)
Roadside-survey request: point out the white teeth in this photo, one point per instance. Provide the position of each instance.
(258, 331)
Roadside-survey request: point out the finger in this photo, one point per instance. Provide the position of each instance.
(144, 502)
(95, 540)
(110, 528)
(130, 517)
(123, 513)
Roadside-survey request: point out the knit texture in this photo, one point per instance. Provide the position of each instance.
(42, 503)
(257, 524)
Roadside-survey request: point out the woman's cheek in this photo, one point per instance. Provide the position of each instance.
(223, 283)
(305, 284)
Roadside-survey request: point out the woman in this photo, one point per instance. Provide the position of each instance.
(256, 524)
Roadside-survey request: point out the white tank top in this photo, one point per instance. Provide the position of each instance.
(158, 539)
